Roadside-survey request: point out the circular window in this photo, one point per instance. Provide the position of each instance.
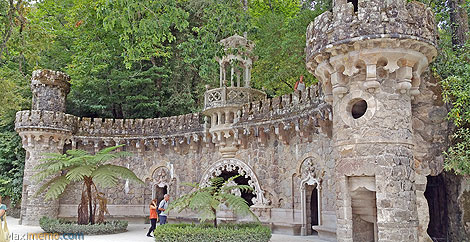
(359, 108)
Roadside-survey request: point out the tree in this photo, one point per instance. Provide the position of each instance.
(207, 200)
(279, 35)
(452, 67)
(59, 170)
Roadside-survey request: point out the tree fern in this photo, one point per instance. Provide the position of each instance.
(59, 170)
(207, 200)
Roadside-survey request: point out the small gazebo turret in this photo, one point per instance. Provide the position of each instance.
(223, 105)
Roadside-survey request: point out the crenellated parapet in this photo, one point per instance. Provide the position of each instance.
(370, 19)
(381, 36)
(33, 120)
(166, 126)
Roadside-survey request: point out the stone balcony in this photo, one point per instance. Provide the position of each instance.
(224, 97)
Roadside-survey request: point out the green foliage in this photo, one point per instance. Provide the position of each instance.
(77, 166)
(207, 233)
(206, 200)
(12, 164)
(280, 42)
(452, 67)
(51, 225)
(458, 155)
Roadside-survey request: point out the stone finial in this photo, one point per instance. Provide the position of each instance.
(50, 89)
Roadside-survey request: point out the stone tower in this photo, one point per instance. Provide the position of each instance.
(44, 129)
(369, 56)
(223, 104)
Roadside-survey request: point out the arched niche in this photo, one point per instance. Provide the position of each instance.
(311, 174)
(161, 178)
(231, 164)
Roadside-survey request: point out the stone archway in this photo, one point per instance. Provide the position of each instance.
(231, 164)
(311, 178)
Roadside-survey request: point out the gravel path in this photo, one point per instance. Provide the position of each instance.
(136, 232)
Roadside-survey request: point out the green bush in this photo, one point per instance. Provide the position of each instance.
(251, 232)
(50, 225)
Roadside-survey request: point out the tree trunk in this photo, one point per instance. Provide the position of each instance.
(215, 218)
(459, 22)
(83, 208)
(90, 197)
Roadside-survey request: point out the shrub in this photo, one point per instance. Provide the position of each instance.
(50, 225)
(207, 233)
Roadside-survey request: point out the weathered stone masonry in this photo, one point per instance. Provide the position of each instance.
(347, 159)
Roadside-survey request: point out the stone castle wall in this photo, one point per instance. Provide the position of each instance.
(369, 171)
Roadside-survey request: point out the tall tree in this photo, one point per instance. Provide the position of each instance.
(459, 21)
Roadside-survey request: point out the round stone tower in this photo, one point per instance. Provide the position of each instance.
(369, 56)
(44, 129)
(223, 104)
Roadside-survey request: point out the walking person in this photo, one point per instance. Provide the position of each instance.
(153, 216)
(162, 208)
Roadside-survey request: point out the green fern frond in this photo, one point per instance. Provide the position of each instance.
(56, 188)
(104, 178)
(77, 173)
(54, 185)
(109, 149)
(76, 153)
(118, 172)
(43, 174)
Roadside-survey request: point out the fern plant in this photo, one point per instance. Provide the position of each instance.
(57, 171)
(207, 200)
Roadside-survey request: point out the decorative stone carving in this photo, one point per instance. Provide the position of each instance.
(243, 169)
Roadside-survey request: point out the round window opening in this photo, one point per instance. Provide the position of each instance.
(358, 109)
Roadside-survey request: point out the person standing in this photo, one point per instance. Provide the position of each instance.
(162, 208)
(4, 233)
(300, 85)
(153, 216)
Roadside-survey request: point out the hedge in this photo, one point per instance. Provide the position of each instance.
(51, 225)
(250, 232)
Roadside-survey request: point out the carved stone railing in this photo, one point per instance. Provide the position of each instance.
(231, 96)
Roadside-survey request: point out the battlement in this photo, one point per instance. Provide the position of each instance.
(286, 105)
(43, 119)
(157, 126)
(373, 19)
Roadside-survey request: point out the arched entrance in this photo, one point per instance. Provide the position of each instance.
(228, 167)
(241, 180)
(310, 195)
(160, 181)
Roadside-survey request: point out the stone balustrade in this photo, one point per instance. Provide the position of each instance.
(231, 96)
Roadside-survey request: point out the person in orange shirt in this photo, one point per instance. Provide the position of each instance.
(153, 216)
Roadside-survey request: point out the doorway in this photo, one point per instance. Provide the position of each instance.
(312, 211)
(241, 180)
(159, 192)
(437, 201)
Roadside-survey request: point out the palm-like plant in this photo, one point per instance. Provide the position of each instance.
(59, 170)
(206, 200)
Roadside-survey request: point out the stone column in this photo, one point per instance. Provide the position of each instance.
(44, 129)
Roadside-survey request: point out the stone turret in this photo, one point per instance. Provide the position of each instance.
(50, 89)
(223, 105)
(44, 129)
(369, 57)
